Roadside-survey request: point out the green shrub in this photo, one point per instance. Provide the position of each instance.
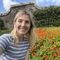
(47, 17)
(4, 31)
(2, 27)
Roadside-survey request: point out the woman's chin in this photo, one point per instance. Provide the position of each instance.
(22, 33)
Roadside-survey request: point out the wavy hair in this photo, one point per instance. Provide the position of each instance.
(31, 36)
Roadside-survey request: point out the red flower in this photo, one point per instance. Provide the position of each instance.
(46, 57)
(33, 54)
(53, 48)
(59, 55)
(59, 50)
(54, 55)
(32, 49)
(41, 43)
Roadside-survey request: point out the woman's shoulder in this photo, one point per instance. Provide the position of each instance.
(6, 38)
(4, 41)
(5, 35)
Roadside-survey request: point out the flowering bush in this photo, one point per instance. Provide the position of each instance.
(47, 46)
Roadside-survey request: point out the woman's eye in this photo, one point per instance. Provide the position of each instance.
(27, 22)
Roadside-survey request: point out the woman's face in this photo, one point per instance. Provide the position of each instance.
(22, 24)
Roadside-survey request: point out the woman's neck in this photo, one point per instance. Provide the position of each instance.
(20, 37)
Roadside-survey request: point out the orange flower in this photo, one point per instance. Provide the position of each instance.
(59, 55)
(41, 43)
(59, 50)
(33, 54)
(54, 55)
(46, 57)
(39, 31)
(53, 48)
(32, 49)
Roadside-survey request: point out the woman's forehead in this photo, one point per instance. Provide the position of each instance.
(24, 16)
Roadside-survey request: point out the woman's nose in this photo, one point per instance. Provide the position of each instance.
(23, 24)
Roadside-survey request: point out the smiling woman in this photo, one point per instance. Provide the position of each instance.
(16, 45)
(22, 24)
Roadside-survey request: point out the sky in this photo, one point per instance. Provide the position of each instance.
(5, 4)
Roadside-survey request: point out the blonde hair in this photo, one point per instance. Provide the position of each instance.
(31, 34)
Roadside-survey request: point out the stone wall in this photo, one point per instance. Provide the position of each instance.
(8, 17)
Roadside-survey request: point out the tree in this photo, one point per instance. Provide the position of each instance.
(1, 24)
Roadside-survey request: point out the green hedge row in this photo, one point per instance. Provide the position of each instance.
(4, 32)
(47, 16)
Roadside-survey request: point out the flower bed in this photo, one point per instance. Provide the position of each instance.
(47, 46)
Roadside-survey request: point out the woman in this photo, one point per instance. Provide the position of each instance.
(16, 45)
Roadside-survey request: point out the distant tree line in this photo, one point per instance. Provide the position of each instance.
(47, 16)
